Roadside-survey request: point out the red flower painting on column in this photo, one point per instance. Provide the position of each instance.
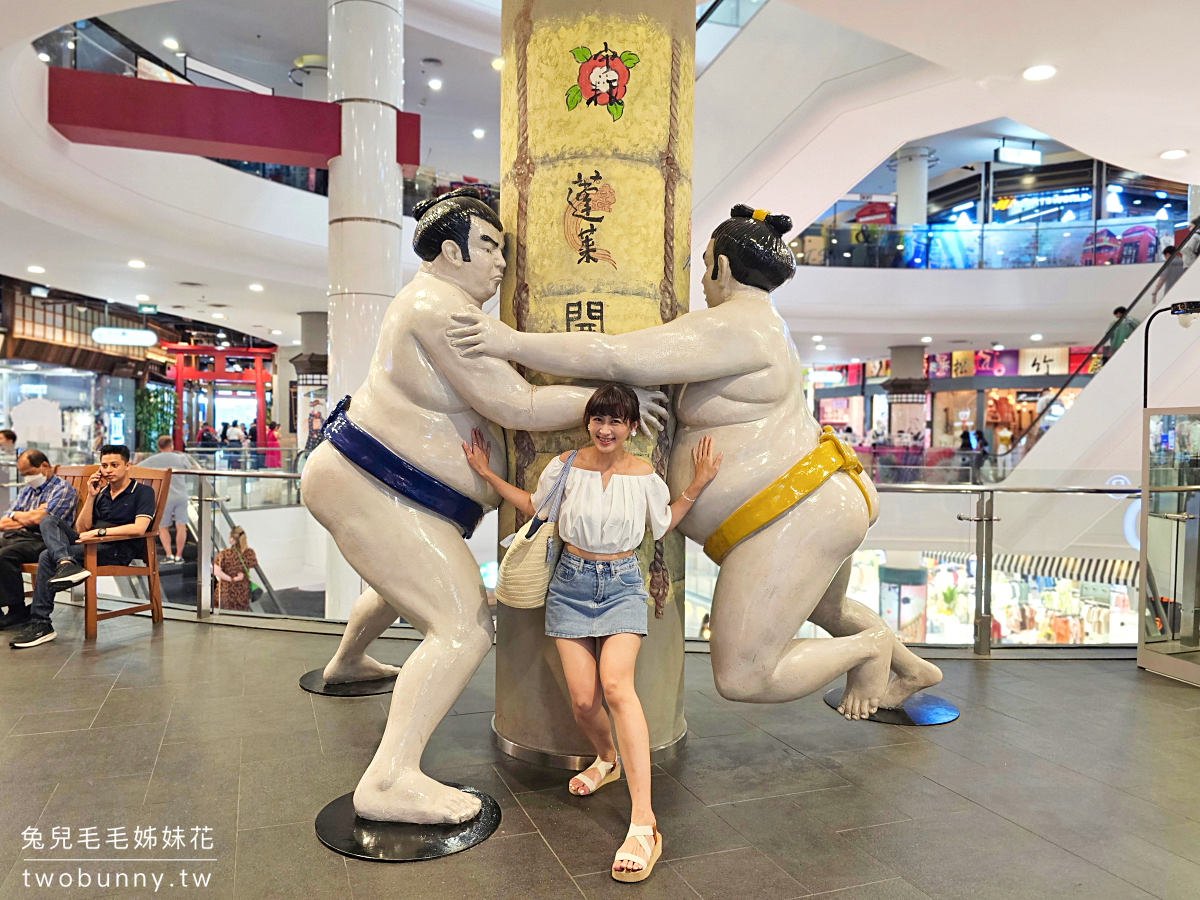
(603, 78)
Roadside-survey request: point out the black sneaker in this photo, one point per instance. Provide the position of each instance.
(38, 631)
(14, 618)
(68, 574)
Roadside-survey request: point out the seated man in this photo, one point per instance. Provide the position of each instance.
(115, 505)
(44, 494)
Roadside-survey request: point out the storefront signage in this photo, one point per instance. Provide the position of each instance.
(1018, 156)
(937, 365)
(825, 376)
(997, 363)
(124, 337)
(1044, 361)
(962, 364)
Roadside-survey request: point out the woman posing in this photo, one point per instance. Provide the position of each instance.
(596, 606)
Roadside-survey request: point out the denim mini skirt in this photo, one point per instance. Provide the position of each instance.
(595, 599)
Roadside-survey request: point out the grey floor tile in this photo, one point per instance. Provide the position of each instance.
(96, 752)
(285, 744)
(485, 778)
(93, 798)
(294, 789)
(913, 794)
(585, 832)
(347, 723)
(136, 706)
(210, 718)
(663, 883)
(286, 862)
(747, 874)
(810, 851)
(819, 730)
(1141, 863)
(716, 722)
(745, 766)
(941, 854)
(847, 807)
(522, 776)
(462, 740)
(200, 768)
(892, 889)
(1182, 840)
(511, 868)
(49, 722)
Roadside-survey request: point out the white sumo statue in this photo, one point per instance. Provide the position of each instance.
(790, 504)
(393, 487)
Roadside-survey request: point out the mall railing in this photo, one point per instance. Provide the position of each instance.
(717, 23)
(999, 245)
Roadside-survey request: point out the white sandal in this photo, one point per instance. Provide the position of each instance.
(641, 832)
(609, 771)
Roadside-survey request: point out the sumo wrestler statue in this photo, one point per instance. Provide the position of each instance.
(790, 505)
(393, 487)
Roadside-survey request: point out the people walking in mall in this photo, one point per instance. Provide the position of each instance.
(272, 457)
(115, 505)
(596, 606)
(176, 511)
(1126, 325)
(231, 567)
(44, 494)
(8, 442)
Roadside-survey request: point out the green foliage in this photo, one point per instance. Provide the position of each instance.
(574, 95)
(630, 59)
(581, 54)
(615, 108)
(154, 414)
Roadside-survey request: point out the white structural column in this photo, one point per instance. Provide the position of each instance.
(366, 71)
(912, 185)
(1193, 201)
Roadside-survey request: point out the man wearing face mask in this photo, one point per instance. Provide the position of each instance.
(20, 533)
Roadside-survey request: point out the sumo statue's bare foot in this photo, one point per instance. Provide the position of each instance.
(866, 682)
(341, 671)
(413, 797)
(918, 675)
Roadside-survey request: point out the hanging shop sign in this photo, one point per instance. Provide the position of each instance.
(124, 337)
(1079, 354)
(938, 365)
(962, 364)
(1018, 156)
(997, 363)
(1044, 361)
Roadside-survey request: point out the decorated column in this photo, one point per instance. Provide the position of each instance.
(596, 157)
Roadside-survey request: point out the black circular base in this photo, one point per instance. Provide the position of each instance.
(919, 709)
(314, 683)
(338, 828)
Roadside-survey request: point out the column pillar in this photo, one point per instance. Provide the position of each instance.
(1193, 201)
(366, 70)
(912, 185)
(596, 158)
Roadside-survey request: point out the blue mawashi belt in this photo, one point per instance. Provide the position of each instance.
(400, 475)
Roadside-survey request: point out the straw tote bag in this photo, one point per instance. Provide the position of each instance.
(528, 565)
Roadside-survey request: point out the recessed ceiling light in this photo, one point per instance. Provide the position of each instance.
(221, 334)
(435, 83)
(44, 57)
(171, 43)
(997, 346)
(1039, 73)
(927, 340)
(295, 343)
(218, 315)
(142, 297)
(256, 287)
(855, 359)
(70, 45)
(479, 133)
(276, 331)
(1173, 154)
(1035, 337)
(498, 63)
(817, 338)
(36, 270)
(820, 346)
(136, 264)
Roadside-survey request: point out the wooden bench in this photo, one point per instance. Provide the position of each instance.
(160, 481)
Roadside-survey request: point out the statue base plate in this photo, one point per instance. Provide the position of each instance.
(314, 683)
(341, 830)
(919, 709)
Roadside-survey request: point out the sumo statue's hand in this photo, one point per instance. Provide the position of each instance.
(652, 410)
(478, 334)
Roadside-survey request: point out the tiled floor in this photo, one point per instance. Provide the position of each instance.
(1061, 779)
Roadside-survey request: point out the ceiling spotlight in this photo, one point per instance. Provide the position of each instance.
(276, 331)
(256, 287)
(36, 270)
(44, 57)
(1173, 154)
(142, 298)
(479, 133)
(498, 63)
(70, 45)
(295, 343)
(221, 334)
(927, 340)
(136, 264)
(171, 43)
(1039, 73)
(218, 315)
(820, 346)
(855, 359)
(997, 346)
(817, 338)
(435, 83)
(1035, 337)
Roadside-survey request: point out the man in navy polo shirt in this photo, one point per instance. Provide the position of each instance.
(115, 505)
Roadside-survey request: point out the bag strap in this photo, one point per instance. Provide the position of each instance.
(554, 498)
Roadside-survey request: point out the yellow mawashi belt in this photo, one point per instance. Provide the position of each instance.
(829, 456)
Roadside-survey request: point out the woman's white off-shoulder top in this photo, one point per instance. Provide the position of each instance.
(606, 520)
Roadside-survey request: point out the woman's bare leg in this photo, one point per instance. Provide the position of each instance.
(768, 586)
(841, 616)
(618, 655)
(579, 664)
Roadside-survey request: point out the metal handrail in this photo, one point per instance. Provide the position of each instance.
(1000, 489)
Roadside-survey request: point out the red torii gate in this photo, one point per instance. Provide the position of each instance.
(182, 372)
